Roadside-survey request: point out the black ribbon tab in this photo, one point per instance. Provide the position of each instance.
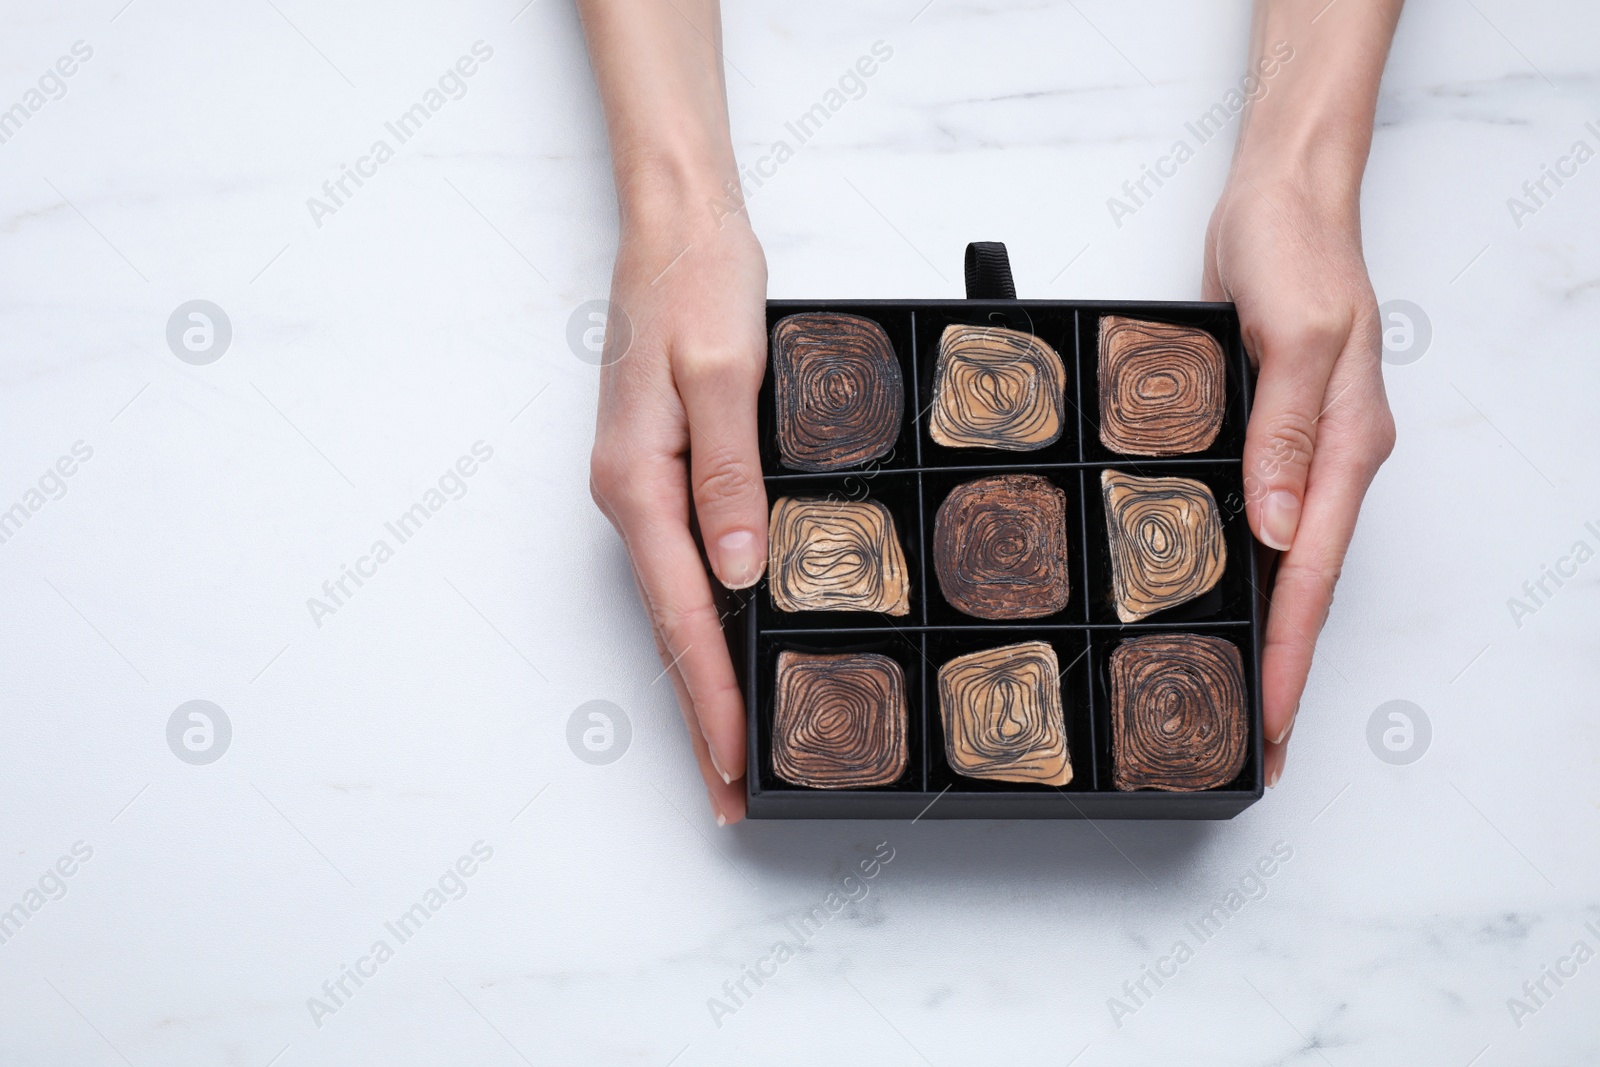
(989, 272)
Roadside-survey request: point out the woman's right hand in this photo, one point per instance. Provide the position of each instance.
(676, 452)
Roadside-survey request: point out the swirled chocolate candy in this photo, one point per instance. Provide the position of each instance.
(839, 721)
(1166, 541)
(996, 388)
(1000, 547)
(1161, 387)
(836, 555)
(838, 389)
(1002, 716)
(1178, 719)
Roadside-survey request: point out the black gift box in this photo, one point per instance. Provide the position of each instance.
(913, 480)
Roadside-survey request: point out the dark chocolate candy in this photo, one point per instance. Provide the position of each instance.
(1000, 547)
(839, 721)
(1161, 387)
(838, 390)
(1178, 718)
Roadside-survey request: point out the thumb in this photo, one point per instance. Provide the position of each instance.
(719, 397)
(1283, 431)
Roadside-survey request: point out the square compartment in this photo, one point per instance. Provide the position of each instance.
(1219, 320)
(905, 795)
(1054, 325)
(1072, 652)
(897, 491)
(1247, 784)
(1231, 600)
(896, 322)
(936, 485)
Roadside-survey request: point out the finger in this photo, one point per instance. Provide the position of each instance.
(1277, 755)
(1302, 593)
(1356, 436)
(719, 398)
(653, 514)
(1295, 366)
(727, 798)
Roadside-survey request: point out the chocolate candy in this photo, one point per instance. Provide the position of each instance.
(996, 388)
(1002, 715)
(1178, 718)
(1166, 541)
(839, 721)
(836, 555)
(1000, 547)
(1161, 387)
(838, 390)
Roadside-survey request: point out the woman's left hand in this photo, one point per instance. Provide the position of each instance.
(1290, 259)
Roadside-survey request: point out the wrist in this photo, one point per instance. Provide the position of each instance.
(679, 192)
(1329, 187)
(1311, 126)
(1314, 152)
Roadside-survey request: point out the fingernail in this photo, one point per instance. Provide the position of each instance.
(1272, 780)
(716, 809)
(722, 820)
(739, 564)
(727, 779)
(1283, 734)
(1280, 517)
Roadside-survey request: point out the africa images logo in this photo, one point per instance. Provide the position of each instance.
(1204, 129)
(453, 484)
(451, 85)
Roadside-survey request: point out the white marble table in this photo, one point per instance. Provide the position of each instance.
(421, 714)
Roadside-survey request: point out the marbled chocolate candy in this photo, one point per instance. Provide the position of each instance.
(1002, 716)
(1166, 541)
(996, 388)
(1178, 714)
(1000, 547)
(839, 720)
(838, 391)
(836, 555)
(1161, 387)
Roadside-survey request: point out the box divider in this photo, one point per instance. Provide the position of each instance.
(916, 398)
(930, 700)
(1085, 593)
(1091, 663)
(929, 694)
(1077, 378)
